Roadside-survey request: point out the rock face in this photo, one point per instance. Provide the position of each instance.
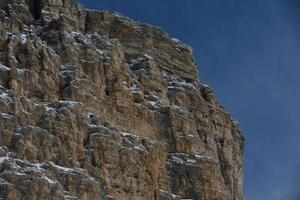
(96, 106)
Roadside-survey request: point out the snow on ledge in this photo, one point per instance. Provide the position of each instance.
(4, 68)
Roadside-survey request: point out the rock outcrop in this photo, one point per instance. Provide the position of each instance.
(96, 106)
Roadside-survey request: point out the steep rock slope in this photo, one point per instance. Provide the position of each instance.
(96, 106)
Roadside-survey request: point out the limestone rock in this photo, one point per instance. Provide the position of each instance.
(96, 106)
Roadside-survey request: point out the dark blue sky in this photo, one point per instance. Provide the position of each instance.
(249, 51)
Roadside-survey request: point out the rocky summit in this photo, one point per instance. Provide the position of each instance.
(96, 106)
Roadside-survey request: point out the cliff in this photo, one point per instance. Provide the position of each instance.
(96, 106)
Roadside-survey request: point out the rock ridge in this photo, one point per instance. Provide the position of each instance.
(94, 105)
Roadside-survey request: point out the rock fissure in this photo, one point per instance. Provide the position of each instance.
(35, 7)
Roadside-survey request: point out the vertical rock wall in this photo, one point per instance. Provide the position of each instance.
(96, 106)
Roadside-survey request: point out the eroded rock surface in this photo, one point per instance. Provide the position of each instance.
(96, 106)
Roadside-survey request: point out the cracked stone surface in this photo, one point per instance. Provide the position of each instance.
(94, 105)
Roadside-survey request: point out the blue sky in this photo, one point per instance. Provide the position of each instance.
(249, 51)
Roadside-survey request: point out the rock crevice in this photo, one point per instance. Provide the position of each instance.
(35, 7)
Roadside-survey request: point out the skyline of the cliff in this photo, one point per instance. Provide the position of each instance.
(248, 51)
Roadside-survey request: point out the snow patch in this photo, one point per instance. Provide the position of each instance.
(100, 51)
(93, 126)
(134, 87)
(175, 82)
(45, 12)
(199, 157)
(174, 196)
(3, 159)
(6, 115)
(64, 169)
(147, 56)
(175, 40)
(191, 136)
(179, 109)
(69, 197)
(3, 182)
(74, 33)
(129, 135)
(12, 35)
(4, 68)
(22, 71)
(188, 159)
(49, 109)
(91, 115)
(19, 174)
(176, 159)
(191, 161)
(50, 181)
(23, 38)
(235, 122)
(154, 104)
(69, 103)
(139, 148)
(126, 134)
(5, 96)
